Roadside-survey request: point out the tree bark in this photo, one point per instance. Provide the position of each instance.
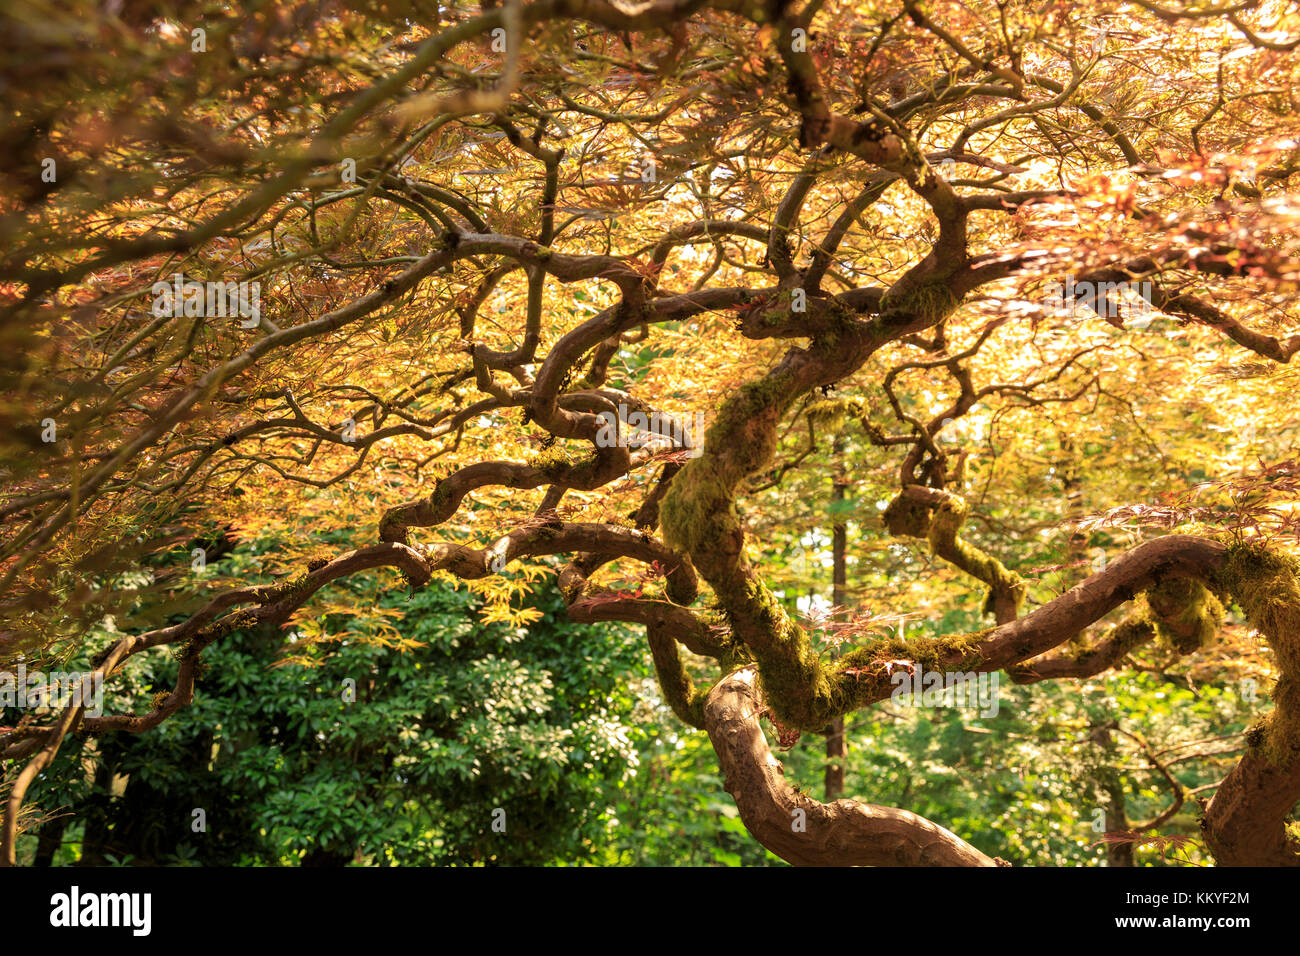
(799, 829)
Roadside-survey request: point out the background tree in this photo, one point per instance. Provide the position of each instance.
(455, 722)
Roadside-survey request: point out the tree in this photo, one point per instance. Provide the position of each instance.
(466, 282)
(391, 754)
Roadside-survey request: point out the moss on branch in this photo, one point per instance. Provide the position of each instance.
(1186, 614)
(1266, 586)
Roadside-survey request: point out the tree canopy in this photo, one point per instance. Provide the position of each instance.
(829, 344)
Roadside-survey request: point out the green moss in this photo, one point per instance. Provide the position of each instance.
(907, 517)
(798, 689)
(553, 462)
(1186, 614)
(837, 690)
(1266, 586)
(574, 590)
(686, 700)
(1126, 636)
(753, 403)
(1134, 631)
(806, 694)
(698, 516)
(1257, 734)
(932, 653)
(795, 682)
(947, 544)
(1129, 634)
(691, 513)
(239, 621)
(291, 588)
(834, 413)
(698, 508)
(735, 655)
(930, 301)
(440, 495)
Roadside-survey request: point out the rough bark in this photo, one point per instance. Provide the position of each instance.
(798, 828)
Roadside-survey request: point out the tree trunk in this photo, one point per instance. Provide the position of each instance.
(836, 746)
(48, 841)
(798, 828)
